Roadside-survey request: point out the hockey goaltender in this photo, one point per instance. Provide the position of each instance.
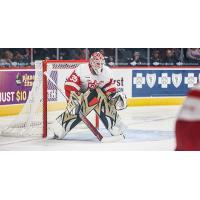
(91, 87)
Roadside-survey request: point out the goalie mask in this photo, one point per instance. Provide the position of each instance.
(96, 62)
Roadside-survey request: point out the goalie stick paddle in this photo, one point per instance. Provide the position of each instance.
(81, 115)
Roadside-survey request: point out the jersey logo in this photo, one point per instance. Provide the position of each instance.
(92, 84)
(73, 78)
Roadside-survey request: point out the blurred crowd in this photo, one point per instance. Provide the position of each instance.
(20, 57)
(175, 56)
(15, 57)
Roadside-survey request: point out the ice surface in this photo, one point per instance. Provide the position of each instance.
(148, 128)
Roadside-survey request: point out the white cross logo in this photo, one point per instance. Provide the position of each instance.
(164, 80)
(190, 80)
(139, 80)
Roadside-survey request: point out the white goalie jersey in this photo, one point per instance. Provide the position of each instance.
(83, 79)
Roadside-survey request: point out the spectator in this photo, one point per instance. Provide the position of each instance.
(110, 61)
(136, 59)
(42, 53)
(130, 56)
(27, 55)
(156, 58)
(193, 54)
(7, 59)
(169, 57)
(17, 59)
(179, 56)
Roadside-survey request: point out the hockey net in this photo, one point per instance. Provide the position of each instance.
(44, 102)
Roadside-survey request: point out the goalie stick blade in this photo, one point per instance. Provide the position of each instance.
(116, 138)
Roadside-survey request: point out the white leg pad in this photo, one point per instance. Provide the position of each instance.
(118, 129)
(57, 130)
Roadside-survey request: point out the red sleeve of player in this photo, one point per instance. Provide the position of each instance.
(109, 88)
(72, 83)
(188, 123)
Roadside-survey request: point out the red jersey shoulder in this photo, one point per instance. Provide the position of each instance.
(72, 83)
(74, 77)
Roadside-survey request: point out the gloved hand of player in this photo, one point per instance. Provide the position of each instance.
(120, 100)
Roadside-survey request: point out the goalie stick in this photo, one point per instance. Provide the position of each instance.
(85, 120)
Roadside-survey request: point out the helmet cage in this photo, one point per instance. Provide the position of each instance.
(96, 62)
